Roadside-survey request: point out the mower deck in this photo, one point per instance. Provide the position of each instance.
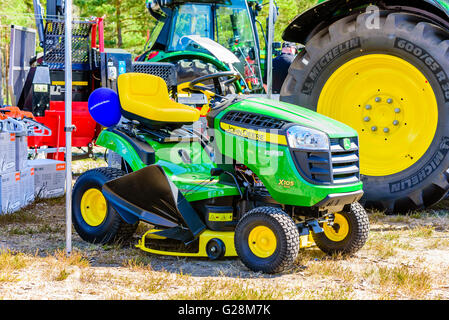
(227, 237)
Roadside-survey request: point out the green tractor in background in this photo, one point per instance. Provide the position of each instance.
(230, 23)
(381, 67)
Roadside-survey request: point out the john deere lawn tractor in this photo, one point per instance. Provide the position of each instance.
(231, 23)
(266, 177)
(381, 67)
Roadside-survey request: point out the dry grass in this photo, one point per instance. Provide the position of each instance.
(379, 248)
(399, 282)
(437, 244)
(22, 217)
(406, 257)
(227, 289)
(9, 263)
(395, 264)
(329, 267)
(421, 232)
(331, 292)
(62, 275)
(10, 260)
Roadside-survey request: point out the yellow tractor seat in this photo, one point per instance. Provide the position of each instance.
(144, 97)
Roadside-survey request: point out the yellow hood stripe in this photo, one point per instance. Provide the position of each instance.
(258, 135)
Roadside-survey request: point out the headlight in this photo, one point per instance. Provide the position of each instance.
(307, 139)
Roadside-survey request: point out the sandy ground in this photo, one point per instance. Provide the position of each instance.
(406, 257)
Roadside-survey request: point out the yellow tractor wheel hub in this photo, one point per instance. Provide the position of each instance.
(262, 242)
(339, 230)
(93, 207)
(392, 106)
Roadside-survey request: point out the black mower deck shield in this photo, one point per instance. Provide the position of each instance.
(148, 195)
(336, 202)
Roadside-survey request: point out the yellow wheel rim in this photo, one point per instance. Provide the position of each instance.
(262, 242)
(93, 207)
(339, 230)
(391, 105)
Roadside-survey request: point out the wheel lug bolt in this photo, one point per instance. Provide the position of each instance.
(386, 130)
(367, 119)
(397, 110)
(378, 99)
(368, 107)
(374, 128)
(390, 101)
(396, 122)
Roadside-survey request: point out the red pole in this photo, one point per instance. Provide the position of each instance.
(93, 37)
(57, 139)
(101, 34)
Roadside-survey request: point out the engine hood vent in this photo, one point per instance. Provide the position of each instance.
(254, 120)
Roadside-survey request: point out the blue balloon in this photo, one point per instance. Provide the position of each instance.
(104, 107)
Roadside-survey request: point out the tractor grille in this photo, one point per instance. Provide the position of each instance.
(253, 120)
(166, 71)
(54, 45)
(337, 166)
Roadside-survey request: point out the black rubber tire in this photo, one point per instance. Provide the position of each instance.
(426, 181)
(189, 70)
(113, 229)
(287, 238)
(358, 234)
(219, 249)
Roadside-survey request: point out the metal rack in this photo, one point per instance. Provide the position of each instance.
(54, 45)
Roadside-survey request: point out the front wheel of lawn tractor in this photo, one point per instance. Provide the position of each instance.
(391, 84)
(347, 234)
(267, 240)
(94, 219)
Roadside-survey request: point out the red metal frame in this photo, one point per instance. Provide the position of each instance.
(98, 27)
(87, 129)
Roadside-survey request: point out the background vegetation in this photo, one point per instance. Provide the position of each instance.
(128, 23)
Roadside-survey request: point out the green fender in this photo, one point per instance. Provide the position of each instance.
(114, 142)
(186, 177)
(303, 26)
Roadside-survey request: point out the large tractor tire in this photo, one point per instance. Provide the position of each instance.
(390, 83)
(190, 69)
(94, 219)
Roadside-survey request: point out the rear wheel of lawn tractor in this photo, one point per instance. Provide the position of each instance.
(347, 234)
(93, 217)
(391, 84)
(267, 240)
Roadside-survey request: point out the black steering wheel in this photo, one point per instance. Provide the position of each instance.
(221, 81)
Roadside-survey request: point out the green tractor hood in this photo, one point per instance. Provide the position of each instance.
(295, 114)
(254, 132)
